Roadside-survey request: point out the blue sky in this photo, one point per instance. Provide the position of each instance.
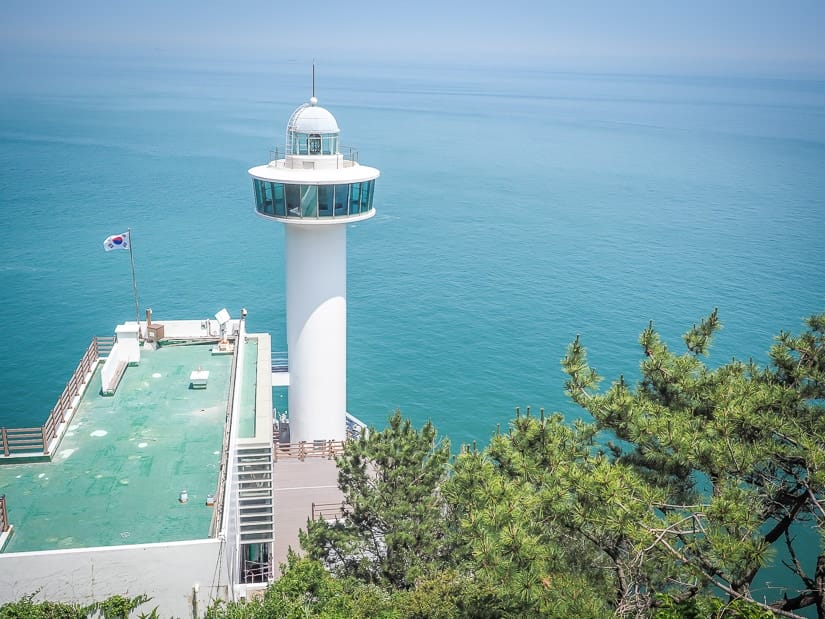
(700, 36)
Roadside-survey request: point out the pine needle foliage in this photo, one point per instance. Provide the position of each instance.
(393, 530)
(732, 458)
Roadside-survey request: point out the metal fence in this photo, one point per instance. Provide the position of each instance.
(309, 449)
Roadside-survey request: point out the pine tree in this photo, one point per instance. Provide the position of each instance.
(737, 453)
(394, 527)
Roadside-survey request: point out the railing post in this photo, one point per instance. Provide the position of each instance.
(45, 440)
(5, 441)
(4, 515)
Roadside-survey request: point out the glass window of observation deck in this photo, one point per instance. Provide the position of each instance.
(326, 195)
(256, 186)
(366, 196)
(309, 200)
(313, 201)
(355, 198)
(263, 197)
(292, 195)
(341, 199)
(269, 198)
(278, 198)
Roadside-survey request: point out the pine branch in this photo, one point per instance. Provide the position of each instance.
(797, 566)
(814, 499)
(723, 587)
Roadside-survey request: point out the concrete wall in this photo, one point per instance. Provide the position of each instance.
(231, 524)
(110, 365)
(263, 393)
(207, 327)
(169, 573)
(128, 342)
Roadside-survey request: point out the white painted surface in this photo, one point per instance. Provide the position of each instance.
(199, 378)
(316, 316)
(126, 348)
(263, 391)
(4, 537)
(230, 525)
(320, 221)
(129, 344)
(280, 379)
(313, 119)
(280, 172)
(167, 573)
(184, 329)
(110, 365)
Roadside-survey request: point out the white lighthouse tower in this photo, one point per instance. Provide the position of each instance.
(316, 190)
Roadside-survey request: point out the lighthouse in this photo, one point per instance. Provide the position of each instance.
(316, 187)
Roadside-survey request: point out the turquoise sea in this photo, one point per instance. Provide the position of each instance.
(516, 208)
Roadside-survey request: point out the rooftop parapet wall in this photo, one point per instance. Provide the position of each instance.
(206, 328)
(181, 578)
(263, 393)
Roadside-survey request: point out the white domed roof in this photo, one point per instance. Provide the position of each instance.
(309, 118)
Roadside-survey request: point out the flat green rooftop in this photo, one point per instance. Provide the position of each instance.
(118, 473)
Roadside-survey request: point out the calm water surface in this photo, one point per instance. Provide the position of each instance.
(515, 209)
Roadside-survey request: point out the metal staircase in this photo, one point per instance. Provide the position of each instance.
(255, 494)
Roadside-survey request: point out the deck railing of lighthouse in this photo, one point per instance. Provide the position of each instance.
(35, 441)
(309, 449)
(319, 449)
(348, 153)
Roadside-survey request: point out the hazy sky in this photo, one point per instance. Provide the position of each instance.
(775, 37)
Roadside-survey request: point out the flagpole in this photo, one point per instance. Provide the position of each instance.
(134, 282)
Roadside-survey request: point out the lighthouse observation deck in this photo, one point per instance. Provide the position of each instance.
(308, 201)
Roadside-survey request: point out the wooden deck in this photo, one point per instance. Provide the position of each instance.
(299, 484)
